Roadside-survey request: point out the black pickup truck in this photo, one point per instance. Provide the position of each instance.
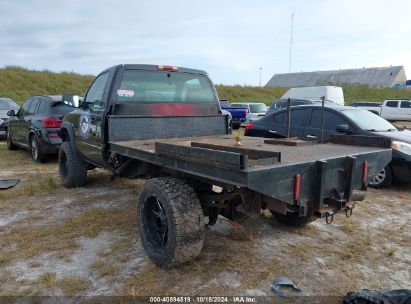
(164, 123)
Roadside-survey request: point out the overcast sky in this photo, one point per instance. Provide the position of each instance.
(231, 40)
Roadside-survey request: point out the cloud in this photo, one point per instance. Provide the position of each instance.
(229, 39)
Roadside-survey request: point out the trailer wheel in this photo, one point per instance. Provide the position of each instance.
(72, 170)
(171, 221)
(293, 218)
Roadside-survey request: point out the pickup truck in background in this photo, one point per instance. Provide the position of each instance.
(391, 109)
(255, 110)
(238, 115)
(164, 124)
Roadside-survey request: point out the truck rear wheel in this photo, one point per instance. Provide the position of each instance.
(171, 221)
(73, 170)
(293, 218)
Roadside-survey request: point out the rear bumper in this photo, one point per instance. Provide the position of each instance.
(401, 166)
(49, 145)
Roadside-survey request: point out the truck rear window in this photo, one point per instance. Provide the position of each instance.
(139, 86)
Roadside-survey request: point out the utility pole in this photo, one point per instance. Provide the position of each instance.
(291, 40)
(259, 83)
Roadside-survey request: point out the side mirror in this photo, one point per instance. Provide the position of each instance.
(343, 129)
(71, 100)
(11, 113)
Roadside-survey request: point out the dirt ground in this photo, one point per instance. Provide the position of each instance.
(84, 241)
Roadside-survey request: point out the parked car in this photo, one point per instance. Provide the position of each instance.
(306, 124)
(238, 115)
(392, 109)
(254, 111)
(331, 93)
(6, 104)
(281, 103)
(36, 126)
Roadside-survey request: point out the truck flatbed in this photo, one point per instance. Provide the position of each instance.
(289, 154)
(267, 168)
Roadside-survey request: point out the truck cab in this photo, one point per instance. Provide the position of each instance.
(131, 89)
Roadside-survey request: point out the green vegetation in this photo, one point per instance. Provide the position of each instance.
(352, 93)
(20, 83)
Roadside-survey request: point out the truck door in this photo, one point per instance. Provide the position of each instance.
(390, 110)
(405, 110)
(88, 130)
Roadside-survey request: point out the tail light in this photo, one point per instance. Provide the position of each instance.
(167, 68)
(249, 126)
(365, 174)
(52, 123)
(297, 187)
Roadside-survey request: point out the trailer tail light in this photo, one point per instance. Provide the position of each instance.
(297, 188)
(167, 68)
(52, 123)
(249, 126)
(365, 174)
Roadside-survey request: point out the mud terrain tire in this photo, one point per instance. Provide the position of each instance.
(73, 170)
(171, 221)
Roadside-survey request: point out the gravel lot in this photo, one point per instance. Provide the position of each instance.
(55, 241)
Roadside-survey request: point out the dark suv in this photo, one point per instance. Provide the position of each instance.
(36, 126)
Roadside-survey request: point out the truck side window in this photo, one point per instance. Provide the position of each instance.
(405, 104)
(392, 104)
(94, 98)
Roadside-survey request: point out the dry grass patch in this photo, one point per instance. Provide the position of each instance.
(41, 184)
(32, 241)
(391, 251)
(72, 285)
(348, 226)
(104, 268)
(47, 279)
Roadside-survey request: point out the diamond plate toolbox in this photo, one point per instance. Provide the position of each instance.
(123, 128)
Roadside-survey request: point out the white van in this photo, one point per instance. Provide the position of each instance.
(331, 93)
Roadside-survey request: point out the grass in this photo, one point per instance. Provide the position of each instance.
(104, 268)
(72, 285)
(19, 83)
(47, 279)
(41, 184)
(348, 226)
(63, 236)
(391, 251)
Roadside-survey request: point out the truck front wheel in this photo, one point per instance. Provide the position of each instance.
(293, 218)
(171, 221)
(73, 170)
